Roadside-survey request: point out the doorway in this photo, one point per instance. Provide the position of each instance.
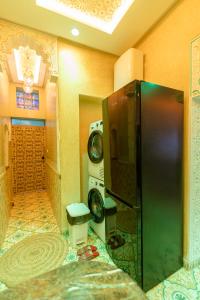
(28, 143)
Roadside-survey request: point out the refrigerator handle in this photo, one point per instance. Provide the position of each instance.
(138, 167)
(138, 155)
(113, 147)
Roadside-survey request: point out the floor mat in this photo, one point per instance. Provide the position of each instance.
(31, 257)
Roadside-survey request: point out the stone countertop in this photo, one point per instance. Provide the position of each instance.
(89, 280)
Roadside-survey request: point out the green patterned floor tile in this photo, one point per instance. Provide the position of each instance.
(47, 228)
(18, 236)
(34, 225)
(182, 285)
(32, 213)
(173, 291)
(5, 247)
(184, 278)
(3, 287)
(156, 293)
(17, 222)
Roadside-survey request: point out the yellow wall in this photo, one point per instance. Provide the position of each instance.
(52, 146)
(167, 56)
(4, 94)
(4, 112)
(81, 71)
(90, 110)
(4, 175)
(51, 122)
(25, 113)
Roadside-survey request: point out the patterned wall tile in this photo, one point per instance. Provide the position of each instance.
(194, 197)
(28, 168)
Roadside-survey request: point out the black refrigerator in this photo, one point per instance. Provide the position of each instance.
(143, 143)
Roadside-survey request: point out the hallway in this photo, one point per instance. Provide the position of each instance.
(32, 214)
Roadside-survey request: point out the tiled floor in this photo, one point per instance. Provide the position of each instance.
(31, 214)
(182, 285)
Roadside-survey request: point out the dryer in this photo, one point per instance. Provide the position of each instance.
(95, 150)
(103, 209)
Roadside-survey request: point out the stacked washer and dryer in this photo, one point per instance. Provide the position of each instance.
(103, 209)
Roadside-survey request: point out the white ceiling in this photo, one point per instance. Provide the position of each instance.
(141, 16)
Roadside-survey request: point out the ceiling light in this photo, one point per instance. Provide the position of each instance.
(108, 26)
(75, 32)
(28, 66)
(37, 68)
(18, 64)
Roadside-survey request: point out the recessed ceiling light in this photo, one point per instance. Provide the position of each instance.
(75, 32)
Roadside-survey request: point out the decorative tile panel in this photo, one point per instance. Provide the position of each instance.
(54, 192)
(103, 9)
(194, 196)
(28, 148)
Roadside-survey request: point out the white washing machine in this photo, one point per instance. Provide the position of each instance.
(103, 209)
(95, 150)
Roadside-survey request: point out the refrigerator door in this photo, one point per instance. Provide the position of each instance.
(162, 141)
(120, 126)
(121, 117)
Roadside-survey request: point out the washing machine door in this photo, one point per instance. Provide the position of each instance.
(96, 205)
(95, 146)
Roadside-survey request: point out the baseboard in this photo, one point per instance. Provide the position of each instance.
(51, 165)
(188, 265)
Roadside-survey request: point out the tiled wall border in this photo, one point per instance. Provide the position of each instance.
(193, 257)
(5, 197)
(54, 190)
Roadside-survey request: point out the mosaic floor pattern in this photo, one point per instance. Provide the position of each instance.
(182, 285)
(32, 214)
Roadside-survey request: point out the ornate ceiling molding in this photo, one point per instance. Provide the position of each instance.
(103, 15)
(14, 36)
(103, 9)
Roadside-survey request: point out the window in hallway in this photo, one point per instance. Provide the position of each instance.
(28, 122)
(27, 101)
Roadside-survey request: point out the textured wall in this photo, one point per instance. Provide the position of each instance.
(52, 153)
(1, 146)
(5, 180)
(167, 62)
(53, 189)
(5, 191)
(4, 94)
(81, 71)
(4, 203)
(52, 150)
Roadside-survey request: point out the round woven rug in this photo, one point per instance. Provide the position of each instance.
(31, 257)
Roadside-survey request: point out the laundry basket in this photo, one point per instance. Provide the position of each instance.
(78, 215)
